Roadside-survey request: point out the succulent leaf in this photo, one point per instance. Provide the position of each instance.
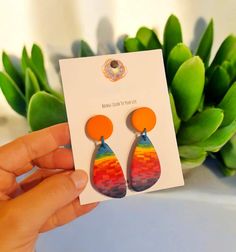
(187, 87)
(205, 45)
(191, 152)
(178, 55)
(172, 35)
(27, 62)
(201, 104)
(85, 50)
(175, 116)
(31, 84)
(148, 38)
(25, 59)
(45, 110)
(227, 51)
(226, 170)
(133, 45)
(217, 85)
(192, 163)
(12, 93)
(228, 104)
(38, 62)
(200, 127)
(218, 139)
(228, 153)
(12, 71)
(230, 68)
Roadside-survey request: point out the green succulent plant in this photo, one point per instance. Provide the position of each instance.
(28, 92)
(202, 93)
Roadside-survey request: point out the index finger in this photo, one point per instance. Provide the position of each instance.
(19, 153)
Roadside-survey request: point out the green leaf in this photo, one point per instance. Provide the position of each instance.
(228, 104)
(205, 45)
(12, 94)
(85, 50)
(228, 153)
(230, 68)
(217, 140)
(178, 55)
(192, 163)
(25, 59)
(27, 62)
(187, 87)
(233, 74)
(38, 62)
(226, 170)
(217, 85)
(31, 84)
(191, 152)
(172, 35)
(45, 110)
(12, 71)
(175, 116)
(200, 127)
(148, 38)
(227, 51)
(133, 45)
(201, 105)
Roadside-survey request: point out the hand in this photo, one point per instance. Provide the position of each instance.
(46, 199)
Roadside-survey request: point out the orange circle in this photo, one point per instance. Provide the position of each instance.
(143, 118)
(99, 126)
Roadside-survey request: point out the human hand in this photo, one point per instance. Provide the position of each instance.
(46, 199)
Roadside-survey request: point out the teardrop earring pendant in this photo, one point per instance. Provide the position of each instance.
(144, 169)
(107, 174)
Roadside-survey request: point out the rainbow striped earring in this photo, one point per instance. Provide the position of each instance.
(144, 169)
(108, 177)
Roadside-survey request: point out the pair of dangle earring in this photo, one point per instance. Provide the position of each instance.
(144, 169)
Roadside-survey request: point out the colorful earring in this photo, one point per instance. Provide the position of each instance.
(108, 177)
(144, 170)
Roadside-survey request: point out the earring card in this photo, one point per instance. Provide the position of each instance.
(115, 86)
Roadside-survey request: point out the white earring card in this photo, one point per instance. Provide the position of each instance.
(115, 86)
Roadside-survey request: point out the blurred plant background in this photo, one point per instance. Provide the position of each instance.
(202, 93)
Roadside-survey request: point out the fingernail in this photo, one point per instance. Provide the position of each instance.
(79, 178)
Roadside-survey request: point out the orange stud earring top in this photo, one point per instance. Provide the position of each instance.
(99, 126)
(143, 118)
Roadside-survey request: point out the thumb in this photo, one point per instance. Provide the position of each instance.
(38, 204)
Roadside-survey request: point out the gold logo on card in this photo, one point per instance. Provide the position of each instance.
(114, 69)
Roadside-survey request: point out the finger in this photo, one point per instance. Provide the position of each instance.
(3, 197)
(67, 214)
(45, 199)
(37, 177)
(23, 169)
(7, 182)
(59, 159)
(20, 153)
